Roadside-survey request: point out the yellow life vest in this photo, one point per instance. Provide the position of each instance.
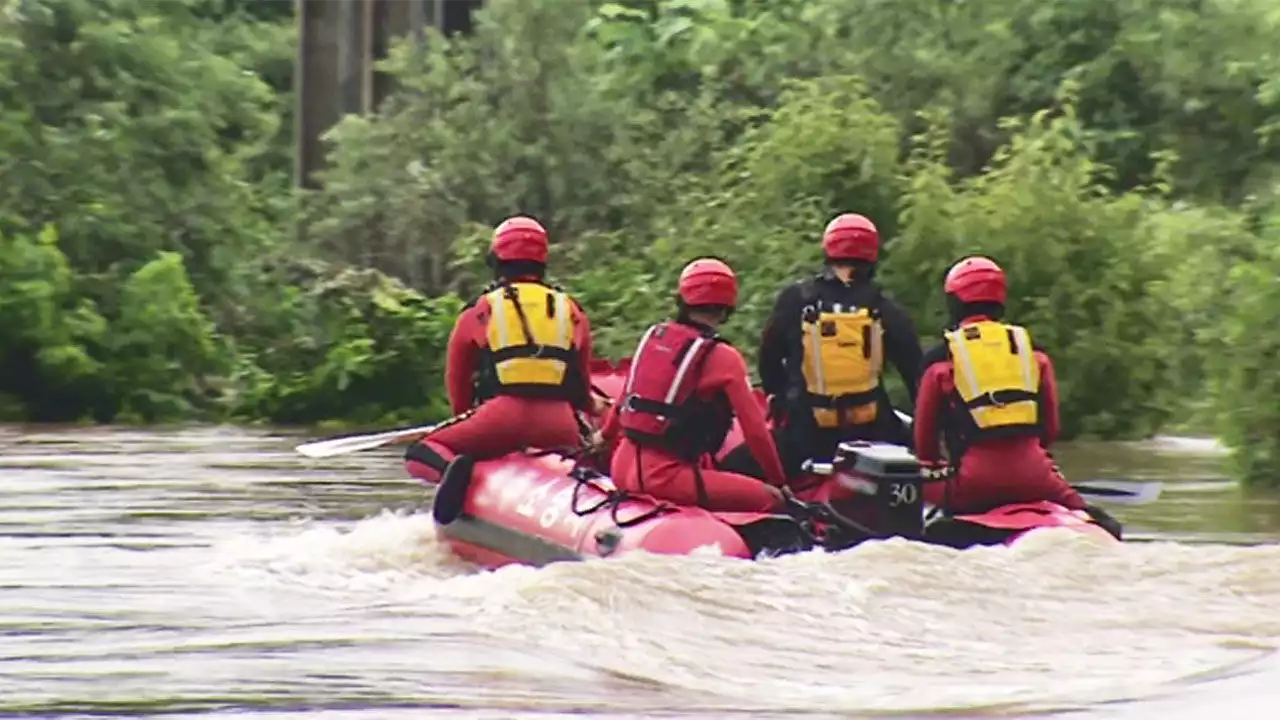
(997, 377)
(843, 357)
(530, 334)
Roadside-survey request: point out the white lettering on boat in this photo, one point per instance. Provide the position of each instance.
(505, 486)
(549, 501)
(556, 510)
(532, 499)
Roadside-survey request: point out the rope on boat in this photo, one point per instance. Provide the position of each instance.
(613, 497)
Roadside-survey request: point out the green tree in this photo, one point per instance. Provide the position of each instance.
(163, 348)
(51, 342)
(1118, 158)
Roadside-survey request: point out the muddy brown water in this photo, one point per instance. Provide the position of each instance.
(212, 570)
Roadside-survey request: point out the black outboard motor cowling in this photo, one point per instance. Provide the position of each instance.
(898, 488)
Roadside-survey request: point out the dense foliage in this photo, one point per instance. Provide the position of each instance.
(1119, 158)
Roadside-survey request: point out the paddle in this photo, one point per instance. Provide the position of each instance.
(356, 443)
(1120, 492)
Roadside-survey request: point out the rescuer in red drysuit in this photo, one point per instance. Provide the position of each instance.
(517, 363)
(685, 386)
(991, 396)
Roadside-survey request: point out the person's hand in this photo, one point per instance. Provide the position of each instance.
(781, 497)
(935, 470)
(599, 404)
(777, 408)
(1057, 470)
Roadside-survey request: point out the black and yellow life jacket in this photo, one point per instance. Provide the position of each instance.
(842, 358)
(997, 378)
(530, 336)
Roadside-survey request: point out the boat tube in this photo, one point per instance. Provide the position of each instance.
(541, 506)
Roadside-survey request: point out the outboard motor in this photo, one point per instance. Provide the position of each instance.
(890, 473)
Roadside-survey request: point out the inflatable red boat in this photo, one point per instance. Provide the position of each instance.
(544, 506)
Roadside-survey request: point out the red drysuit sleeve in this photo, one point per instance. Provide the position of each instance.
(582, 340)
(1048, 398)
(928, 412)
(463, 357)
(727, 371)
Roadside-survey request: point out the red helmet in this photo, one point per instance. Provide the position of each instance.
(851, 237)
(520, 238)
(976, 279)
(708, 282)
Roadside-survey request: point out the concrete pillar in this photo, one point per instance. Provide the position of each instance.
(339, 41)
(315, 84)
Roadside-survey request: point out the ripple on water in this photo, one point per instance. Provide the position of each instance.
(212, 570)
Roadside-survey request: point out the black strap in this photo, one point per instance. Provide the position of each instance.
(511, 293)
(653, 407)
(1000, 398)
(843, 402)
(658, 442)
(659, 407)
(530, 350)
(613, 498)
(426, 455)
(639, 470)
(701, 487)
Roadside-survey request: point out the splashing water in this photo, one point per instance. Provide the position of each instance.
(187, 577)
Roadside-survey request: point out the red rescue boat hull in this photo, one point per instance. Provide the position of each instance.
(1023, 518)
(534, 508)
(610, 378)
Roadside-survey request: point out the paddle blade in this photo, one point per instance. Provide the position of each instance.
(1120, 492)
(356, 443)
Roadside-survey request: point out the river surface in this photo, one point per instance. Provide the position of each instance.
(214, 571)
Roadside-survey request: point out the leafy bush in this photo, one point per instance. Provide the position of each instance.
(1118, 158)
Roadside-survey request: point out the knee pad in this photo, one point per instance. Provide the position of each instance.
(427, 455)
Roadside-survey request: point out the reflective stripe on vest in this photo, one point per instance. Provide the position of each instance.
(659, 406)
(843, 356)
(694, 351)
(996, 375)
(530, 336)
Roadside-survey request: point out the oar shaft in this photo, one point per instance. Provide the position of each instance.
(355, 443)
(1132, 493)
